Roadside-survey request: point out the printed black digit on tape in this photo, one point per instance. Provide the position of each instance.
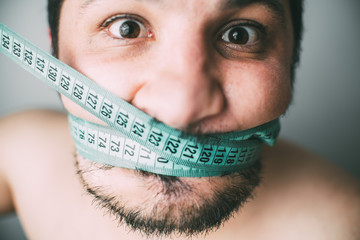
(133, 139)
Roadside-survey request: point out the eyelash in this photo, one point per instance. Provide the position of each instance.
(107, 26)
(244, 23)
(260, 29)
(112, 19)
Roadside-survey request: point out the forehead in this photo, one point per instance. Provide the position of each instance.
(276, 4)
(277, 7)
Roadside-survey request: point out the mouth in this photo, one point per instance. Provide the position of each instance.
(163, 178)
(169, 186)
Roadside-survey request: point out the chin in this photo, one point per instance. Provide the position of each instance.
(158, 205)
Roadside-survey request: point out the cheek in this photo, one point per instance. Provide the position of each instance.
(109, 72)
(116, 76)
(257, 92)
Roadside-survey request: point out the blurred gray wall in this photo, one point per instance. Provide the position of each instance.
(324, 116)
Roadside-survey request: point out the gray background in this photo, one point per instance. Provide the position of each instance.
(323, 118)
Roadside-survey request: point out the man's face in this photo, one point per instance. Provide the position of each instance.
(198, 65)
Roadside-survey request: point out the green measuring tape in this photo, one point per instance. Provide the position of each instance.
(134, 139)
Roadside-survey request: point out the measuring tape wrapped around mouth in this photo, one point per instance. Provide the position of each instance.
(133, 139)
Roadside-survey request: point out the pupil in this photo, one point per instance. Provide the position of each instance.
(129, 29)
(239, 36)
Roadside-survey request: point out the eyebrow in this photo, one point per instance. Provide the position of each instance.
(273, 5)
(86, 3)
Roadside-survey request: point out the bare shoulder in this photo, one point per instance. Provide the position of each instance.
(30, 137)
(314, 193)
(37, 159)
(289, 161)
(30, 119)
(24, 128)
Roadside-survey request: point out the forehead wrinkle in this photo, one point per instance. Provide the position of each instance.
(276, 8)
(87, 3)
(273, 5)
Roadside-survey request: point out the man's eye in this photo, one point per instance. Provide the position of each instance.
(241, 35)
(127, 29)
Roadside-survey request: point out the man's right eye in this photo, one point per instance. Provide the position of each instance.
(122, 27)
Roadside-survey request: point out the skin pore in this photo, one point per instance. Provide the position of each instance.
(184, 69)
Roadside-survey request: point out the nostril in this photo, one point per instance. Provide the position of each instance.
(179, 115)
(179, 102)
(179, 109)
(171, 108)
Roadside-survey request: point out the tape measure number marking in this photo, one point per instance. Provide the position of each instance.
(134, 138)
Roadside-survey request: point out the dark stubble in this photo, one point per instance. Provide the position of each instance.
(196, 215)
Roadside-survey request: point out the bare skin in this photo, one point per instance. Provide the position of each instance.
(212, 86)
(301, 195)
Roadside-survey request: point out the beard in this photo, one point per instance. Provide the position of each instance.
(159, 206)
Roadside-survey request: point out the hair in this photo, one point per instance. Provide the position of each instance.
(54, 9)
(296, 8)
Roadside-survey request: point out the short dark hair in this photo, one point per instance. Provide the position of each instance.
(54, 9)
(296, 8)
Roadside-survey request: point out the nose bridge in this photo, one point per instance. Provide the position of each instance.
(180, 88)
(186, 50)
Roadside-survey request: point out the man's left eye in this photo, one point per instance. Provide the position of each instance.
(126, 28)
(241, 35)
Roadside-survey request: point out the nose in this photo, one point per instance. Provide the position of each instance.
(181, 87)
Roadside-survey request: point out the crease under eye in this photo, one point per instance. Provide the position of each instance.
(242, 38)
